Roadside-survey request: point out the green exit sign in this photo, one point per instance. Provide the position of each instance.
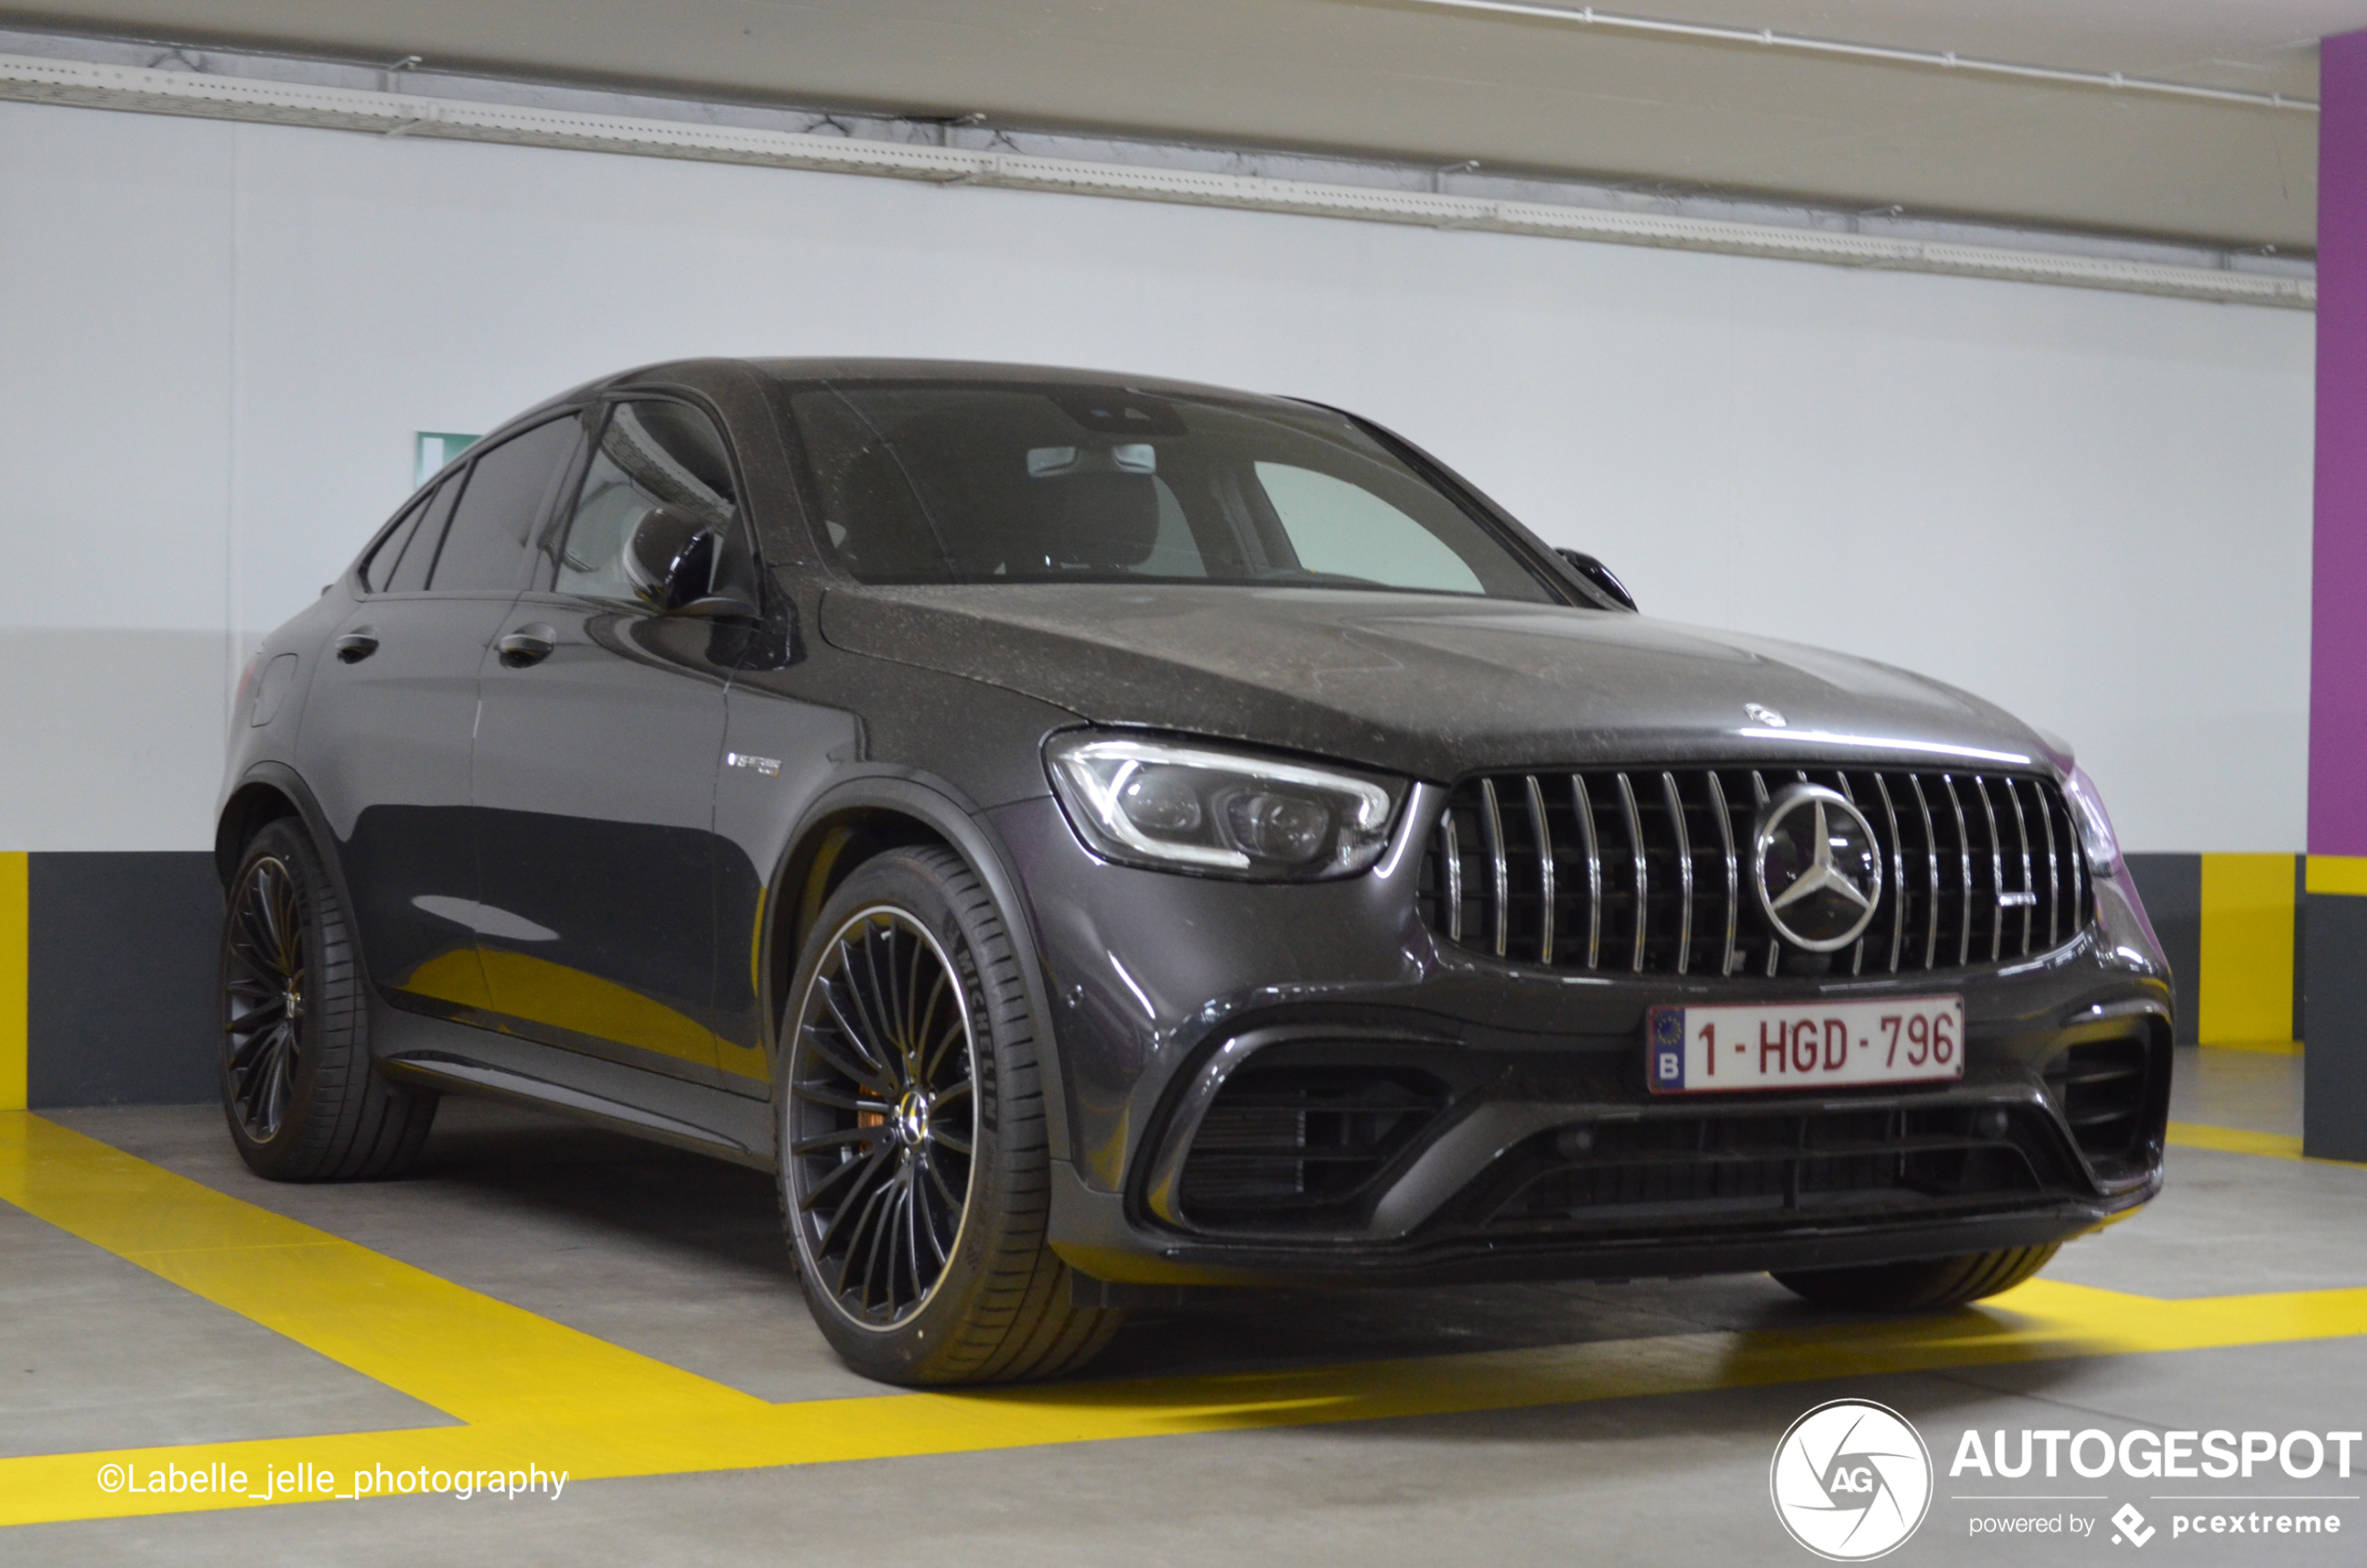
(435, 448)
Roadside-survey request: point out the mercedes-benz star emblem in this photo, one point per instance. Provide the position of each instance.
(1818, 870)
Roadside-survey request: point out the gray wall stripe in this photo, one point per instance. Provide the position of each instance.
(2172, 886)
(121, 950)
(119, 1008)
(2334, 1105)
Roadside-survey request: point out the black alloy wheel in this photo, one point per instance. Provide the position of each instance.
(916, 1168)
(303, 1098)
(882, 1116)
(264, 962)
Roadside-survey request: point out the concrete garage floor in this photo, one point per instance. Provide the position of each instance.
(1613, 1424)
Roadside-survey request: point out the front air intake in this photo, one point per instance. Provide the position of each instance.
(1648, 872)
(1724, 1166)
(2102, 1088)
(1293, 1146)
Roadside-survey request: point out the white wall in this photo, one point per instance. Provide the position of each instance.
(219, 339)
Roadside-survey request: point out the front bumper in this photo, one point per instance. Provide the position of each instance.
(1513, 1185)
(1298, 1084)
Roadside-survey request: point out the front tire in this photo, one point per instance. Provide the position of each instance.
(1923, 1285)
(303, 1100)
(915, 1172)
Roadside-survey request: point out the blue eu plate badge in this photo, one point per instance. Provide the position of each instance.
(1668, 1049)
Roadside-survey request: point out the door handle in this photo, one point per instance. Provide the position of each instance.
(354, 647)
(529, 644)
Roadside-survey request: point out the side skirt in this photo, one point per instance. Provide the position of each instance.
(438, 1054)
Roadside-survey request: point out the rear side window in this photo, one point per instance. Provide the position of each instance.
(491, 533)
(652, 455)
(378, 570)
(409, 575)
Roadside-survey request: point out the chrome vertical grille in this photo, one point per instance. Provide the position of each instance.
(1649, 871)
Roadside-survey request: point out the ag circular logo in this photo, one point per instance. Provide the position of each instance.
(1851, 1481)
(1818, 870)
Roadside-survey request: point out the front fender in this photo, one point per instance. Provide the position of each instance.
(945, 811)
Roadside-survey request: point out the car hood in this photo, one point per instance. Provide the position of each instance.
(1429, 685)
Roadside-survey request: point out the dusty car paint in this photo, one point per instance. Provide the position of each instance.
(572, 893)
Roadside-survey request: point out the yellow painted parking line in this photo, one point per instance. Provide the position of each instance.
(533, 1391)
(471, 1356)
(16, 930)
(2243, 1140)
(2258, 1047)
(2234, 1140)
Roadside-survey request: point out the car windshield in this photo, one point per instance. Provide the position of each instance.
(921, 483)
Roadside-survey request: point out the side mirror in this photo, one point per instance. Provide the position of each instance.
(1599, 576)
(670, 560)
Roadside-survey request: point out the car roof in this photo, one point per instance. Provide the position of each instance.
(851, 368)
(976, 370)
(705, 370)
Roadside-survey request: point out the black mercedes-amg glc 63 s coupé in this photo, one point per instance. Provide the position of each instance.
(1096, 836)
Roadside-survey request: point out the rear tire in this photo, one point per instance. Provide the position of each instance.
(915, 1171)
(1923, 1285)
(302, 1098)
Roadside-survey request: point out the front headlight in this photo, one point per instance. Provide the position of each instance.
(1189, 807)
(2096, 833)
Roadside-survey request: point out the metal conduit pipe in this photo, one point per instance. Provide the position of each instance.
(49, 80)
(1941, 60)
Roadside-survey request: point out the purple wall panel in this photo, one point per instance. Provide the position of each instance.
(2338, 589)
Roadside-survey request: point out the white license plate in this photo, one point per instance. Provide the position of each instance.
(1815, 1046)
